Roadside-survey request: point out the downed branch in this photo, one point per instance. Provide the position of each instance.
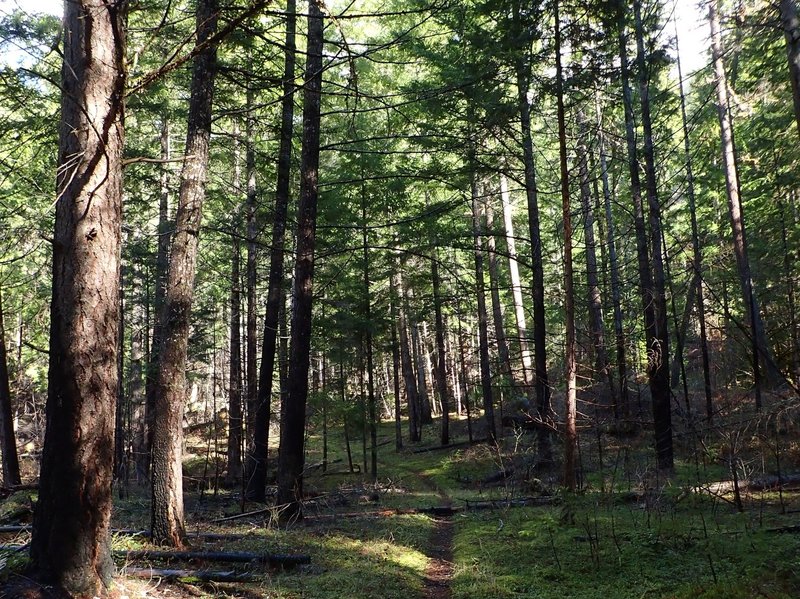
(217, 556)
(450, 446)
(518, 502)
(201, 575)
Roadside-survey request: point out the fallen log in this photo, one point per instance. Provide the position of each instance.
(200, 575)
(15, 528)
(216, 556)
(450, 446)
(783, 529)
(764, 483)
(519, 502)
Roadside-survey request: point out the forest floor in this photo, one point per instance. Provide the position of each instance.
(476, 521)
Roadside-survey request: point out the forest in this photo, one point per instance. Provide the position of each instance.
(399, 298)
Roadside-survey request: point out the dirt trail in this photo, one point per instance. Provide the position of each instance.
(439, 572)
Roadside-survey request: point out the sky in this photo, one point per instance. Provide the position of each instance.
(692, 27)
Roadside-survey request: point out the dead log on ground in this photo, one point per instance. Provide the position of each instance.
(200, 575)
(450, 446)
(217, 556)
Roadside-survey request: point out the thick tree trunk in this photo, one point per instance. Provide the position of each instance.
(425, 415)
(257, 460)
(761, 354)
(659, 348)
(291, 457)
(570, 423)
(791, 32)
(483, 321)
(8, 440)
(167, 470)
(162, 265)
(516, 286)
(70, 547)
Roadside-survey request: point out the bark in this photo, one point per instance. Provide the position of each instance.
(483, 321)
(622, 404)
(464, 376)
(167, 525)
(8, 440)
(257, 460)
(537, 262)
(790, 294)
(497, 307)
(570, 425)
(373, 433)
(441, 374)
(425, 416)
(70, 546)
(120, 412)
(251, 349)
(602, 372)
(791, 32)
(697, 256)
(162, 265)
(398, 424)
(735, 212)
(291, 456)
(658, 359)
(516, 285)
(235, 430)
(409, 378)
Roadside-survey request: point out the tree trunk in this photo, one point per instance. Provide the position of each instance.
(235, 429)
(162, 265)
(602, 372)
(291, 457)
(8, 440)
(425, 416)
(167, 471)
(758, 335)
(483, 321)
(497, 307)
(791, 32)
(659, 348)
(251, 348)
(516, 286)
(570, 424)
(70, 547)
(257, 461)
(373, 432)
(537, 262)
(622, 404)
(409, 378)
(398, 425)
(441, 362)
(697, 256)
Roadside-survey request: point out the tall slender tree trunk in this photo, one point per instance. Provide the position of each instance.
(441, 362)
(257, 459)
(570, 417)
(8, 440)
(398, 424)
(602, 373)
(291, 457)
(659, 349)
(409, 378)
(516, 286)
(162, 265)
(373, 417)
(697, 256)
(251, 347)
(235, 424)
(537, 261)
(70, 546)
(621, 405)
(761, 352)
(794, 334)
(167, 470)
(791, 31)
(497, 307)
(483, 321)
(425, 415)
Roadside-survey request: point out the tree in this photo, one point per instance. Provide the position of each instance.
(8, 441)
(257, 463)
(166, 521)
(791, 32)
(291, 456)
(70, 546)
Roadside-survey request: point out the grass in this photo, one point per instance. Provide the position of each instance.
(630, 532)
